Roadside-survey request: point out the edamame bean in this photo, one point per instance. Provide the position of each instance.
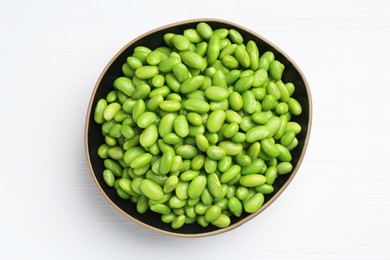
(249, 102)
(269, 102)
(146, 72)
(276, 69)
(235, 36)
(138, 110)
(216, 93)
(186, 151)
(151, 190)
(146, 119)
(235, 206)
(243, 84)
(180, 42)
(215, 121)
(222, 221)
(213, 49)
(231, 148)
(166, 124)
(204, 30)
(194, 119)
(113, 166)
(180, 126)
(133, 63)
(242, 56)
(141, 160)
(252, 180)
(196, 186)
(265, 189)
(230, 174)
(284, 167)
(110, 111)
(167, 65)
(294, 106)
(178, 222)
(269, 148)
(220, 105)
(265, 60)
(115, 153)
(230, 130)
(197, 162)
(215, 152)
(127, 71)
(257, 165)
(149, 136)
(293, 127)
(273, 124)
(272, 89)
(287, 138)
(293, 144)
(254, 203)
(253, 52)
(196, 105)
(213, 213)
(125, 85)
(109, 178)
(193, 60)
(166, 162)
(102, 151)
(191, 84)
(157, 55)
(254, 150)
(99, 111)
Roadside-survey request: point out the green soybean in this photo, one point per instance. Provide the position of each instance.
(146, 119)
(180, 126)
(149, 136)
(254, 203)
(213, 213)
(191, 84)
(215, 121)
(252, 180)
(249, 102)
(215, 152)
(196, 186)
(235, 206)
(230, 174)
(269, 147)
(151, 190)
(222, 221)
(242, 56)
(216, 93)
(284, 168)
(196, 105)
(204, 30)
(193, 60)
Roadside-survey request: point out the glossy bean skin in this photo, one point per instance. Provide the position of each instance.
(196, 186)
(151, 190)
(215, 121)
(180, 126)
(254, 203)
(252, 180)
(193, 60)
(215, 152)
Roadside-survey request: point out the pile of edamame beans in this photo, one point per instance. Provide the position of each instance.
(198, 130)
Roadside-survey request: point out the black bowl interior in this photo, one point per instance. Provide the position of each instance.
(152, 40)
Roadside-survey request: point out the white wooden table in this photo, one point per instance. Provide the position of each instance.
(51, 54)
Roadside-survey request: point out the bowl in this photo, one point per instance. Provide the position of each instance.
(152, 39)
